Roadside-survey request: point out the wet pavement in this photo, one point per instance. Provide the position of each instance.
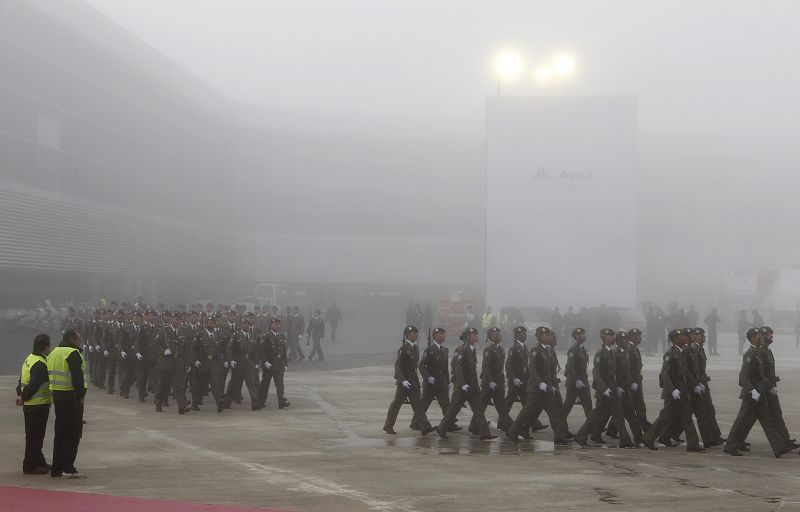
(327, 452)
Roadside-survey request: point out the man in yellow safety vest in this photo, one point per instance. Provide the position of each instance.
(35, 398)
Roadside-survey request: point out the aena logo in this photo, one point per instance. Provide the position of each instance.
(543, 175)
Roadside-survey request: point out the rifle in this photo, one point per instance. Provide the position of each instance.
(429, 338)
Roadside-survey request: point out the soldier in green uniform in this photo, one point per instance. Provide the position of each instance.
(702, 361)
(517, 375)
(244, 356)
(624, 381)
(316, 331)
(407, 386)
(131, 333)
(208, 366)
(771, 384)
(465, 389)
(171, 364)
(435, 372)
(607, 400)
(754, 406)
(273, 347)
(541, 389)
(492, 380)
(94, 332)
(147, 353)
(576, 374)
(112, 349)
(637, 391)
(677, 405)
(696, 382)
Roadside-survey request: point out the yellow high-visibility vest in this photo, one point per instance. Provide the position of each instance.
(43, 396)
(58, 369)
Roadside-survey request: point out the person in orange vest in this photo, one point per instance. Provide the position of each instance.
(33, 394)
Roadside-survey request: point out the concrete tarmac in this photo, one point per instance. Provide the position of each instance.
(327, 453)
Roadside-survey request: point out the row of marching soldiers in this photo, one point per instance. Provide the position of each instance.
(169, 353)
(531, 376)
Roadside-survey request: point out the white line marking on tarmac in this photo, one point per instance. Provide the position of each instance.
(291, 480)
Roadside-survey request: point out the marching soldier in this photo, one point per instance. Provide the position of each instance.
(771, 384)
(296, 327)
(171, 364)
(540, 391)
(637, 392)
(316, 331)
(576, 373)
(677, 407)
(624, 382)
(273, 347)
(517, 375)
(433, 367)
(93, 336)
(244, 358)
(465, 390)
(607, 400)
(72, 322)
(754, 406)
(492, 380)
(112, 349)
(407, 384)
(131, 334)
(147, 354)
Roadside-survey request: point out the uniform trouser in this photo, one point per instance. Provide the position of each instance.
(585, 397)
(413, 395)
(201, 382)
(175, 379)
(111, 374)
(517, 394)
(604, 407)
(334, 326)
(128, 368)
(498, 397)
(712, 342)
(674, 411)
(102, 366)
(535, 403)
(92, 367)
(749, 412)
(431, 393)
(457, 402)
(706, 423)
(640, 407)
(35, 428)
(295, 351)
(146, 378)
(629, 411)
(68, 431)
(266, 379)
(774, 404)
(244, 373)
(316, 350)
(713, 411)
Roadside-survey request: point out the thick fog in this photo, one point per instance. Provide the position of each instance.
(189, 150)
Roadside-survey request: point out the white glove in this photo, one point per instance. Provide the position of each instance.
(702, 388)
(267, 365)
(225, 364)
(431, 380)
(168, 352)
(579, 384)
(676, 394)
(257, 367)
(517, 382)
(406, 384)
(698, 389)
(465, 388)
(91, 348)
(607, 392)
(542, 386)
(773, 391)
(105, 353)
(233, 364)
(123, 354)
(756, 395)
(620, 391)
(197, 364)
(492, 385)
(634, 387)
(97, 348)
(139, 356)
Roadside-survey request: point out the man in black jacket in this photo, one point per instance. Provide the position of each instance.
(35, 397)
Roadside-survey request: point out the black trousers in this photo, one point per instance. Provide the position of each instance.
(316, 350)
(498, 398)
(536, 402)
(585, 397)
(267, 376)
(147, 377)
(68, 431)
(400, 395)
(457, 401)
(35, 427)
(605, 407)
(750, 412)
(244, 373)
(128, 369)
(111, 374)
(674, 412)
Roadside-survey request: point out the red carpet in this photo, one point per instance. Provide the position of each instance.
(27, 500)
